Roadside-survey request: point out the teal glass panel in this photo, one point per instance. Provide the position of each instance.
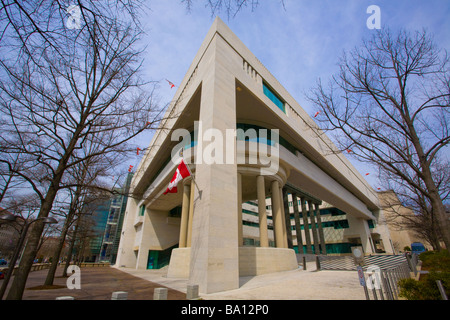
(273, 97)
(142, 210)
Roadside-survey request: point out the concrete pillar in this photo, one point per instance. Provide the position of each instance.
(142, 240)
(261, 192)
(283, 219)
(321, 235)
(215, 246)
(306, 226)
(276, 214)
(239, 211)
(287, 216)
(191, 215)
(298, 229)
(313, 227)
(361, 227)
(125, 254)
(184, 215)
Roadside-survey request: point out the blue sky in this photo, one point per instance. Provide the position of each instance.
(298, 44)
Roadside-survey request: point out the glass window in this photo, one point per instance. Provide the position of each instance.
(141, 210)
(273, 97)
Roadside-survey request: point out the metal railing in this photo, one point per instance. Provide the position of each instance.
(382, 284)
(379, 274)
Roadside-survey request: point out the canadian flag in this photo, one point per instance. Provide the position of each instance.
(181, 173)
(170, 84)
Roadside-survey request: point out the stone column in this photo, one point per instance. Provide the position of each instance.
(263, 233)
(184, 215)
(191, 215)
(125, 253)
(306, 226)
(214, 264)
(361, 227)
(321, 235)
(239, 210)
(287, 216)
(283, 219)
(313, 227)
(298, 229)
(276, 215)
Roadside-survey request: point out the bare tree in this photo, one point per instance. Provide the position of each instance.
(69, 78)
(423, 223)
(8, 180)
(389, 106)
(25, 208)
(231, 7)
(62, 88)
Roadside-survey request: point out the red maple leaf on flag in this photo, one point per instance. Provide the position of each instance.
(181, 173)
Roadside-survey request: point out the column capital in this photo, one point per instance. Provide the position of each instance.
(248, 170)
(187, 181)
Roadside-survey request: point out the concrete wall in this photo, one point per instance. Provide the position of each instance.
(252, 261)
(125, 254)
(155, 230)
(256, 261)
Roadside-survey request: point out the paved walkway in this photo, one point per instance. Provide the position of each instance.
(98, 283)
(289, 285)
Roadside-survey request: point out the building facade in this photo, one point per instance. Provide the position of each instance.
(114, 222)
(260, 167)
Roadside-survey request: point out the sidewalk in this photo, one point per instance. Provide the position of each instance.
(97, 283)
(288, 285)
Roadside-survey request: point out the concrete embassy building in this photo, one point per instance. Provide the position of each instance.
(257, 197)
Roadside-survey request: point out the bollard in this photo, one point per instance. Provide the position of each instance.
(65, 298)
(192, 291)
(160, 294)
(441, 290)
(119, 295)
(317, 263)
(304, 263)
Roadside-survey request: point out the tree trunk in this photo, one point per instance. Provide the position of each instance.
(70, 251)
(26, 262)
(442, 218)
(55, 259)
(438, 209)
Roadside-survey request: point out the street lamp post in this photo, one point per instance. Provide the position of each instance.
(8, 218)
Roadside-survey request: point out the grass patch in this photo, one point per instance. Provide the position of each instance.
(438, 265)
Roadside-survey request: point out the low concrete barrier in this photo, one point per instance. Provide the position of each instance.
(65, 298)
(94, 264)
(160, 294)
(119, 295)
